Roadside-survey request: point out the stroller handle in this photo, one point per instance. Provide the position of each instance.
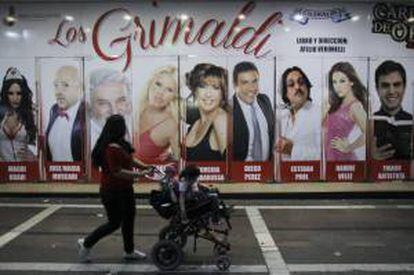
(154, 171)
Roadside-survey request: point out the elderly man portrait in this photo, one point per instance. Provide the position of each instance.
(109, 94)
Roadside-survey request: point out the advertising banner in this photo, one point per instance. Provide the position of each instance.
(108, 92)
(254, 91)
(19, 125)
(156, 98)
(391, 118)
(299, 118)
(251, 97)
(204, 89)
(345, 118)
(63, 136)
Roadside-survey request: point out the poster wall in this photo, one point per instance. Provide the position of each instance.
(19, 155)
(255, 91)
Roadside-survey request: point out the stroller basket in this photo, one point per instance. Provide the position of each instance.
(162, 203)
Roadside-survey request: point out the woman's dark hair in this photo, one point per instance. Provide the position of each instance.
(358, 89)
(25, 109)
(113, 132)
(190, 172)
(284, 83)
(200, 72)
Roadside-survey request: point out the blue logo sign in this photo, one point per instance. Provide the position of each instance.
(302, 16)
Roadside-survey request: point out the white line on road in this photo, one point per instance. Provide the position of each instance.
(116, 268)
(351, 267)
(270, 251)
(270, 207)
(15, 232)
(145, 268)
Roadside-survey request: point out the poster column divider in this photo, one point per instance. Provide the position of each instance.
(86, 134)
(180, 114)
(368, 122)
(40, 138)
(369, 131)
(228, 178)
(276, 159)
(323, 161)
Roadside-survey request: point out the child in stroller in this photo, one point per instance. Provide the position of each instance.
(192, 209)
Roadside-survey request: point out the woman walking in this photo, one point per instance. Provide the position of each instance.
(113, 155)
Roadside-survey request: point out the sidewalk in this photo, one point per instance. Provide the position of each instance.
(227, 189)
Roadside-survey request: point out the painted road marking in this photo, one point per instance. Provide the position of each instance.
(270, 207)
(116, 268)
(351, 267)
(145, 268)
(15, 232)
(270, 251)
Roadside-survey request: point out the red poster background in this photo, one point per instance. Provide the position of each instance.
(337, 171)
(211, 171)
(389, 170)
(26, 171)
(65, 171)
(288, 175)
(251, 171)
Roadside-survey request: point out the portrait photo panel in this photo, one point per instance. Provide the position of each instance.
(299, 99)
(251, 96)
(108, 92)
(391, 118)
(155, 101)
(345, 118)
(63, 117)
(19, 155)
(204, 127)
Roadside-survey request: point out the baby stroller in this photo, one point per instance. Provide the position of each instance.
(204, 215)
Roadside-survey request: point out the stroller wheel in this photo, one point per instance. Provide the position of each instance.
(167, 255)
(219, 250)
(172, 233)
(223, 262)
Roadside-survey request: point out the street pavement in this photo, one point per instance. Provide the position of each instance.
(38, 236)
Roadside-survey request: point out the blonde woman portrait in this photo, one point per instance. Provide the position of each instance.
(206, 139)
(156, 140)
(347, 108)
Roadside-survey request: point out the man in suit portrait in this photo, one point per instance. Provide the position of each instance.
(64, 133)
(253, 119)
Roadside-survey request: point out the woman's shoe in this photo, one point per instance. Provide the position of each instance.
(83, 252)
(135, 255)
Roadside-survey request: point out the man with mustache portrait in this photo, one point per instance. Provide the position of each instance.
(64, 133)
(300, 131)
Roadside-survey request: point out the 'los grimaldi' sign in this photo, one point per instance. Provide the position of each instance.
(213, 32)
(395, 20)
